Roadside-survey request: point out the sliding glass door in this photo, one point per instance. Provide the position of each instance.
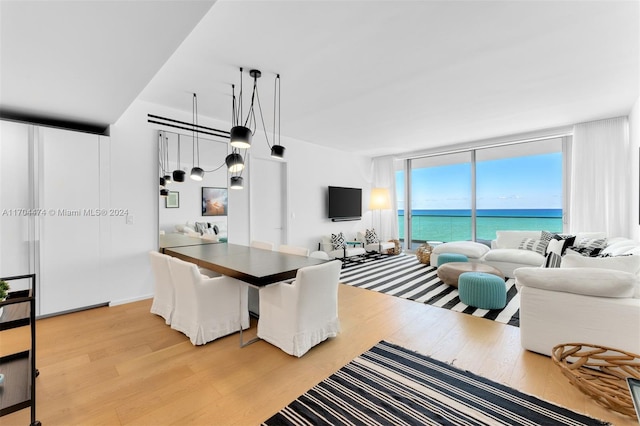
(470, 195)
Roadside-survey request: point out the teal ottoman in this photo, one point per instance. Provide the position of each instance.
(481, 290)
(451, 257)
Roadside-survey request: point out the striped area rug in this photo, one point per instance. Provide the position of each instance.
(390, 385)
(403, 276)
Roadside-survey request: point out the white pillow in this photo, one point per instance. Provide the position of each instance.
(629, 264)
(596, 282)
(555, 246)
(189, 230)
(180, 227)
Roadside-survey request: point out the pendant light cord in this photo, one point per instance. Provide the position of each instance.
(195, 137)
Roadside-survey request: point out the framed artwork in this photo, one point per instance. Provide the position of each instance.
(214, 201)
(173, 200)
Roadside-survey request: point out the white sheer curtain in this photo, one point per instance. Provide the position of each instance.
(384, 176)
(600, 177)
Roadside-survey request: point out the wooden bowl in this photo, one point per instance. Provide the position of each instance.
(599, 372)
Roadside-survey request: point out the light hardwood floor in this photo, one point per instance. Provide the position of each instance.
(123, 366)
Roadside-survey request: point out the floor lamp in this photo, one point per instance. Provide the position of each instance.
(380, 200)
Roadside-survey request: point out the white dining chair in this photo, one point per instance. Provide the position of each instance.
(163, 299)
(299, 251)
(297, 316)
(207, 308)
(265, 245)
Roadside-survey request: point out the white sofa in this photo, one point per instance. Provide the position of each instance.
(586, 300)
(504, 253)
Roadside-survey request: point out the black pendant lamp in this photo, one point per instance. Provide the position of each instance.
(277, 150)
(236, 182)
(234, 161)
(164, 192)
(197, 173)
(178, 174)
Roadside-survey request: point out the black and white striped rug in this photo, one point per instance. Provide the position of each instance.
(403, 276)
(390, 385)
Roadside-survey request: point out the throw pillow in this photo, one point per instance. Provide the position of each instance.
(589, 247)
(559, 243)
(201, 227)
(538, 246)
(370, 236)
(553, 260)
(337, 241)
(546, 236)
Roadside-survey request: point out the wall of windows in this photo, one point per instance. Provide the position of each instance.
(470, 195)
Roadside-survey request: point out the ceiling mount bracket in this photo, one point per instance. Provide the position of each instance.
(255, 73)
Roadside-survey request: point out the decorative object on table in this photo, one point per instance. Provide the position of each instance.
(389, 384)
(173, 200)
(420, 283)
(599, 372)
(4, 292)
(214, 201)
(396, 248)
(423, 253)
(4, 289)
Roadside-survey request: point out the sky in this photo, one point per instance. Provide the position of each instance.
(531, 182)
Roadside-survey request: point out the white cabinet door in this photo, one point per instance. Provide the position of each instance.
(69, 163)
(16, 216)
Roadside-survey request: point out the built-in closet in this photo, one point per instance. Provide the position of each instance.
(54, 213)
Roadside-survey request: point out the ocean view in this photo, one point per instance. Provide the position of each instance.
(455, 225)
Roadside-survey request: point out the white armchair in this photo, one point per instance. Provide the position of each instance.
(207, 308)
(376, 245)
(163, 300)
(297, 316)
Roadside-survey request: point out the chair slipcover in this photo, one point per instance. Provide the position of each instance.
(262, 245)
(163, 300)
(207, 308)
(297, 316)
(300, 251)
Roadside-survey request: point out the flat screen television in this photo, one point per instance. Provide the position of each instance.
(345, 203)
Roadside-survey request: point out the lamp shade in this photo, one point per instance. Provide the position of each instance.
(163, 181)
(178, 175)
(167, 178)
(164, 192)
(197, 173)
(380, 199)
(234, 161)
(240, 137)
(277, 151)
(236, 182)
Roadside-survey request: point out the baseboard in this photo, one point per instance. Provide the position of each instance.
(133, 299)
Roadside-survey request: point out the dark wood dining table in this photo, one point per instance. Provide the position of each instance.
(255, 266)
(175, 239)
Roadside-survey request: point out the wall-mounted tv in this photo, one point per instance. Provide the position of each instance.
(345, 203)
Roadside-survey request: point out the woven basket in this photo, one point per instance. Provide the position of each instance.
(396, 248)
(599, 372)
(423, 253)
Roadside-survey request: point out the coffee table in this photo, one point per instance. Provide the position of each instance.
(450, 272)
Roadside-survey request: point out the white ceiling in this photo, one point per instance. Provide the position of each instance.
(373, 77)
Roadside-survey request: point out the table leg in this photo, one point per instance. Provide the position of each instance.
(255, 339)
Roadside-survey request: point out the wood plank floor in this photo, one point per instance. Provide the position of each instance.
(123, 366)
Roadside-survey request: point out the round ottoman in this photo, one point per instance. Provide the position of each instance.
(451, 257)
(450, 272)
(481, 290)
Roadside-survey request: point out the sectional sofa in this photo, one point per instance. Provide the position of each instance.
(594, 300)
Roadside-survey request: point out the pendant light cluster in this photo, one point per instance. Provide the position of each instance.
(242, 131)
(178, 175)
(163, 153)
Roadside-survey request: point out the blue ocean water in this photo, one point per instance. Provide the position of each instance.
(455, 225)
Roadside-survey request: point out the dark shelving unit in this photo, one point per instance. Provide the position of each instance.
(18, 391)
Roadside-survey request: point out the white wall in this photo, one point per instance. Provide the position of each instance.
(134, 186)
(634, 197)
